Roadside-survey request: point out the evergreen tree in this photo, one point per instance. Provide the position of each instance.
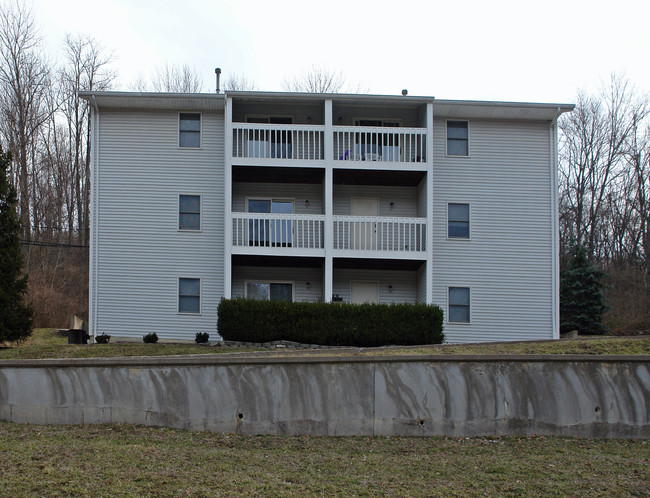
(15, 315)
(581, 295)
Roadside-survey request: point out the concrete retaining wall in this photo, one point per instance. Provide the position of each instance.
(583, 396)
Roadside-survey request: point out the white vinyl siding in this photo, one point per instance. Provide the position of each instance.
(507, 264)
(422, 198)
(404, 199)
(349, 114)
(297, 191)
(307, 282)
(394, 286)
(300, 113)
(141, 252)
(422, 284)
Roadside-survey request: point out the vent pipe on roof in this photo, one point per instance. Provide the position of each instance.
(217, 72)
(405, 92)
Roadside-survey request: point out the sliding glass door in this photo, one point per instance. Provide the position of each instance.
(267, 232)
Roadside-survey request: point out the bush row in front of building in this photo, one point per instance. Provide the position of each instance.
(330, 324)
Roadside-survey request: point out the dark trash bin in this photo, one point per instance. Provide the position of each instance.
(78, 336)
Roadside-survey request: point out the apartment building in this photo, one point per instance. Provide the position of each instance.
(323, 197)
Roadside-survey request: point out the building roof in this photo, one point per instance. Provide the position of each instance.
(157, 100)
(468, 109)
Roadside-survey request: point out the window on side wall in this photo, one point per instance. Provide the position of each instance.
(458, 305)
(189, 212)
(457, 221)
(189, 295)
(457, 138)
(189, 126)
(269, 291)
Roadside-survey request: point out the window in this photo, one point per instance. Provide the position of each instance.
(457, 138)
(189, 212)
(274, 142)
(270, 291)
(458, 304)
(189, 130)
(377, 146)
(189, 295)
(458, 221)
(265, 232)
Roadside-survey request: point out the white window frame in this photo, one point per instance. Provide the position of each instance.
(269, 282)
(469, 220)
(268, 117)
(178, 220)
(178, 295)
(469, 147)
(397, 120)
(459, 286)
(178, 134)
(271, 199)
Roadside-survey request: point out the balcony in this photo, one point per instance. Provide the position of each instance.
(353, 236)
(281, 234)
(264, 143)
(380, 236)
(353, 146)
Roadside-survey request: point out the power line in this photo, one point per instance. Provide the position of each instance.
(50, 244)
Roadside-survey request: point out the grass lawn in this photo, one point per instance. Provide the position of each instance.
(129, 460)
(46, 343)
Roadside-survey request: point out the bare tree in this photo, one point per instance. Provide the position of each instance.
(593, 143)
(24, 82)
(140, 84)
(316, 79)
(605, 193)
(238, 83)
(638, 155)
(177, 79)
(85, 68)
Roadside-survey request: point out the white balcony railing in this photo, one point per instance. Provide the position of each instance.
(277, 141)
(369, 143)
(278, 230)
(376, 233)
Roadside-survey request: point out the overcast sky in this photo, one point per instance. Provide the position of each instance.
(539, 51)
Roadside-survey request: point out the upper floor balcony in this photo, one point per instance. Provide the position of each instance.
(354, 144)
(371, 147)
(264, 143)
(352, 236)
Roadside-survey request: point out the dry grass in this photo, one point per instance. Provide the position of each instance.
(46, 343)
(127, 460)
(58, 283)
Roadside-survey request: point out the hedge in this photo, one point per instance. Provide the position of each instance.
(331, 324)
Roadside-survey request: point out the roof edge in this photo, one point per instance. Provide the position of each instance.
(86, 94)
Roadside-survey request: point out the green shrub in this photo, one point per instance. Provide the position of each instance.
(102, 339)
(581, 295)
(332, 324)
(202, 337)
(150, 338)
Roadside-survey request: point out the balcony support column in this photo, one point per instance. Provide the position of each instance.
(429, 265)
(328, 200)
(227, 208)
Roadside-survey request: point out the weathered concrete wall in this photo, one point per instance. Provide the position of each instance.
(458, 396)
